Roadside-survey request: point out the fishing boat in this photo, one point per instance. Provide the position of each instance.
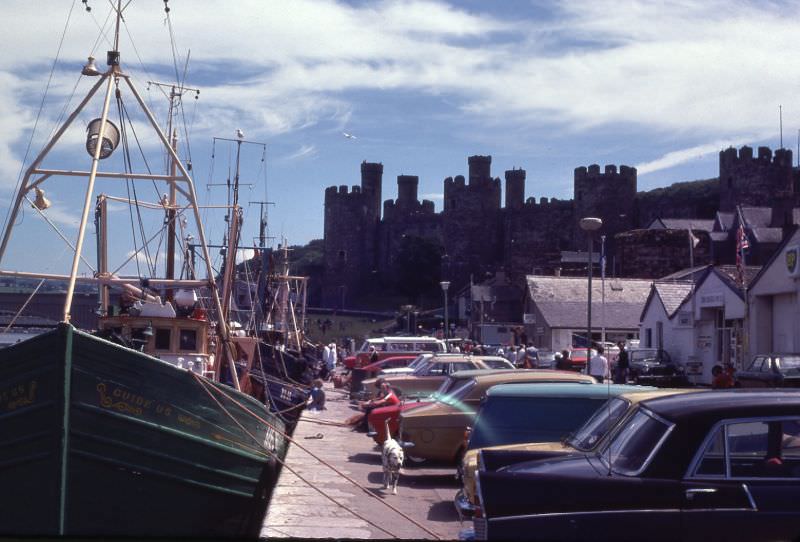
(130, 431)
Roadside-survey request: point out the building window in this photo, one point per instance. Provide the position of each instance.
(163, 339)
(342, 256)
(648, 338)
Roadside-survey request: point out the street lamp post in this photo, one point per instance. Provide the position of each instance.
(445, 285)
(590, 225)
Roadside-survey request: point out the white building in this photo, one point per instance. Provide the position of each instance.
(700, 327)
(774, 311)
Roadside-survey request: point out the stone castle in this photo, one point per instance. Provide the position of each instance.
(479, 233)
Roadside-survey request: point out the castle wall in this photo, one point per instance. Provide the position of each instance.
(351, 236)
(610, 196)
(751, 180)
(651, 254)
(534, 236)
(470, 221)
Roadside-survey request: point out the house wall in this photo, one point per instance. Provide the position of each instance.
(774, 311)
(677, 339)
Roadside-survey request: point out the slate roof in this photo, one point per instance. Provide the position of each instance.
(729, 272)
(682, 224)
(672, 295)
(687, 274)
(562, 301)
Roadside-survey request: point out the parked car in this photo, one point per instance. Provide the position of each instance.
(437, 431)
(545, 359)
(654, 367)
(503, 448)
(386, 347)
(357, 376)
(720, 465)
(429, 375)
(771, 371)
(579, 357)
(376, 421)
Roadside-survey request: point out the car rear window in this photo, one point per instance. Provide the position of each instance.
(598, 425)
(514, 420)
(635, 443)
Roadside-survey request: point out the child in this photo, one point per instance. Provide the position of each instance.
(316, 400)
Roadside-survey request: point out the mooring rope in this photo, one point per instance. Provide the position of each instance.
(322, 461)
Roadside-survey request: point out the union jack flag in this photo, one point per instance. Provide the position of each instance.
(741, 245)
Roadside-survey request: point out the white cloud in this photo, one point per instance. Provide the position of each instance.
(304, 151)
(675, 158)
(433, 196)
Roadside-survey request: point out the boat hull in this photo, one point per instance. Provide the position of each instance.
(99, 440)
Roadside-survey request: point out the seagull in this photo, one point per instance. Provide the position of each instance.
(239, 133)
(349, 136)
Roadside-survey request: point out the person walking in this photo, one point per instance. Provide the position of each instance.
(598, 366)
(623, 363)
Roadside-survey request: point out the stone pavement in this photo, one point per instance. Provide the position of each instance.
(298, 511)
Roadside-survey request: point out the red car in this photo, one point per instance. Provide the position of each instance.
(377, 419)
(393, 362)
(578, 358)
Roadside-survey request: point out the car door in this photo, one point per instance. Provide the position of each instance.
(745, 484)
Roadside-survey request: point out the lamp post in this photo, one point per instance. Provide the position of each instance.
(445, 285)
(590, 225)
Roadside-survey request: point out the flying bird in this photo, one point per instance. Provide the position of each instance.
(349, 136)
(239, 133)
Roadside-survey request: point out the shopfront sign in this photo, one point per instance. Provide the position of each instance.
(529, 318)
(713, 299)
(792, 265)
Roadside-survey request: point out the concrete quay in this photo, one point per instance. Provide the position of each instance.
(299, 511)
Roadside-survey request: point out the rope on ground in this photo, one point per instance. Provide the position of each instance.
(315, 456)
(281, 461)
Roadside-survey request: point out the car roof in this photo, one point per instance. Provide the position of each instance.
(647, 393)
(731, 403)
(544, 375)
(565, 389)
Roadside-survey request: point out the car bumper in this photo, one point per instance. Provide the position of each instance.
(464, 508)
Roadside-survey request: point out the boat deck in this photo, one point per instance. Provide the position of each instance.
(298, 511)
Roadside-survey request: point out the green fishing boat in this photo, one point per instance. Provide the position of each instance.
(98, 439)
(129, 431)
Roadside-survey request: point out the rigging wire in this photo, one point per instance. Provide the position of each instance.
(39, 113)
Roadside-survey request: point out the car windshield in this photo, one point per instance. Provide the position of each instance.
(790, 363)
(598, 425)
(497, 363)
(458, 392)
(445, 388)
(514, 420)
(634, 444)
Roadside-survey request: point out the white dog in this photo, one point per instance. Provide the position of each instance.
(392, 458)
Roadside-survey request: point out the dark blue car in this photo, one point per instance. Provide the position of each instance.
(716, 465)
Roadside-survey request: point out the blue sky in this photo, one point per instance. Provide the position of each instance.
(422, 84)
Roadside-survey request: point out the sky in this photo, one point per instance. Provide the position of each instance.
(420, 84)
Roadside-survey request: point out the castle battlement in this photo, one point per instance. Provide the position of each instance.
(730, 157)
(610, 173)
(546, 204)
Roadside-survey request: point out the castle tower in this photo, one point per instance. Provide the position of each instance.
(515, 188)
(609, 196)
(351, 227)
(754, 181)
(407, 186)
(480, 169)
(371, 183)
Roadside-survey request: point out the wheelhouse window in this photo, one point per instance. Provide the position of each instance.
(633, 445)
(188, 339)
(163, 338)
